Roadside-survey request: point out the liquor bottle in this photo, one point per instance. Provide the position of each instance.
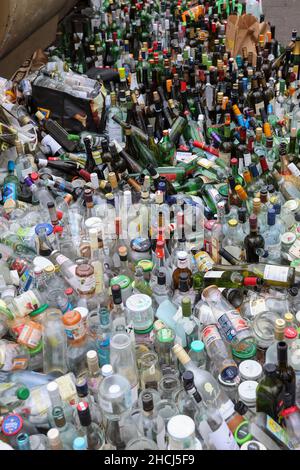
(67, 430)
(268, 390)
(91, 431)
(253, 241)
(151, 424)
(285, 373)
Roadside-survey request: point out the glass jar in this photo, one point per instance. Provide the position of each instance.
(140, 249)
(181, 431)
(150, 373)
(166, 409)
(247, 393)
(141, 443)
(123, 361)
(168, 386)
(240, 356)
(263, 327)
(163, 343)
(13, 356)
(139, 307)
(230, 387)
(115, 396)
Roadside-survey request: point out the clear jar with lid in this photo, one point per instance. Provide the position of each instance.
(139, 307)
(181, 432)
(115, 396)
(230, 387)
(150, 373)
(263, 327)
(140, 249)
(247, 393)
(250, 370)
(13, 356)
(249, 353)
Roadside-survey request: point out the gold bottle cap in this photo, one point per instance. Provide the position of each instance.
(112, 178)
(289, 317)
(123, 251)
(232, 222)
(280, 325)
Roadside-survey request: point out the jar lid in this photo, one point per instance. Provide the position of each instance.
(229, 383)
(40, 310)
(83, 312)
(181, 427)
(93, 222)
(47, 227)
(250, 370)
(139, 303)
(247, 391)
(288, 238)
(253, 445)
(291, 205)
(241, 434)
(121, 280)
(141, 245)
(12, 425)
(144, 332)
(197, 346)
(290, 333)
(247, 353)
(165, 335)
(146, 265)
(23, 393)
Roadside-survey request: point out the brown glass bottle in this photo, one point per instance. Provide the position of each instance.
(285, 374)
(253, 241)
(182, 267)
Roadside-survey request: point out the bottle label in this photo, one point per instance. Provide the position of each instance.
(31, 335)
(247, 159)
(204, 261)
(87, 285)
(213, 274)
(75, 332)
(276, 273)
(67, 388)
(26, 303)
(10, 192)
(258, 107)
(278, 432)
(223, 439)
(210, 334)
(294, 170)
(54, 146)
(227, 328)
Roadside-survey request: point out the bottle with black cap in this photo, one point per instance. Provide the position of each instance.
(119, 315)
(160, 290)
(84, 395)
(189, 387)
(151, 424)
(91, 431)
(184, 289)
(268, 390)
(157, 179)
(285, 373)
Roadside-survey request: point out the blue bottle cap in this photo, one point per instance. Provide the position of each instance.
(79, 444)
(11, 165)
(277, 208)
(162, 186)
(270, 108)
(82, 387)
(271, 216)
(48, 227)
(197, 346)
(12, 425)
(229, 373)
(253, 170)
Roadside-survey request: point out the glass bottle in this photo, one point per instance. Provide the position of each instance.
(268, 390)
(91, 431)
(150, 373)
(67, 431)
(123, 360)
(150, 424)
(54, 343)
(285, 373)
(253, 241)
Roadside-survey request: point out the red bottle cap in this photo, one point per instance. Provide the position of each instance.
(250, 281)
(290, 333)
(34, 176)
(182, 86)
(289, 411)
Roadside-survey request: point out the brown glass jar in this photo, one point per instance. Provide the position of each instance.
(86, 279)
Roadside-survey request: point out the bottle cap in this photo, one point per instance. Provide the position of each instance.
(232, 223)
(54, 436)
(114, 390)
(181, 427)
(148, 403)
(271, 216)
(12, 425)
(250, 370)
(79, 443)
(161, 279)
(53, 390)
(23, 393)
(84, 413)
(290, 333)
(107, 370)
(247, 392)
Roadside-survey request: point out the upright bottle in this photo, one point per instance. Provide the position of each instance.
(253, 242)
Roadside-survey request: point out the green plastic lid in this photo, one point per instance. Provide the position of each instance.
(23, 393)
(165, 335)
(247, 354)
(121, 280)
(146, 265)
(223, 190)
(241, 434)
(197, 346)
(39, 310)
(144, 332)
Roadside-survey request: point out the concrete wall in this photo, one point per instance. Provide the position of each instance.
(285, 14)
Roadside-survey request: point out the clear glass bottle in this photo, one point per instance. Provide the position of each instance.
(150, 424)
(54, 343)
(67, 430)
(91, 431)
(150, 373)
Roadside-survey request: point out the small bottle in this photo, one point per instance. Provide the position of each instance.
(197, 354)
(54, 440)
(215, 431)
(150, 424)
(66, 430)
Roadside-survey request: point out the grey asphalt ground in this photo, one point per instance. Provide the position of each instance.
(285, 14)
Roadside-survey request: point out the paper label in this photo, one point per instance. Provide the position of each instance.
(258, 107)
(294, 170)
(276, 273)
(257, 306)
(26, 303)
(213, 274)
(48, 141)
(185, 157)
(295, 249)
(277, 431)
(210, 334)
(66, 387)
(223, 438)
(247, 159)
(205, 163)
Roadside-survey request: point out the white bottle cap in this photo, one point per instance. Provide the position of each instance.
(250, 370)
(114, 389)
(107, 370)
(139, 303)
(94, 181)
(247, 392)
(83, 312)
(92, 355)
(53, 390)
(53, 435)
(181, 427)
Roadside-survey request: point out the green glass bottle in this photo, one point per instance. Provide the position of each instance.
(267, 392)
(167, 150)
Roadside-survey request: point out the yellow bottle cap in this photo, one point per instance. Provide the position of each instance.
(267, 129)
(232, 222)
(122, 73)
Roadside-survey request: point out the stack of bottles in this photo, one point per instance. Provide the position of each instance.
(150, 275)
